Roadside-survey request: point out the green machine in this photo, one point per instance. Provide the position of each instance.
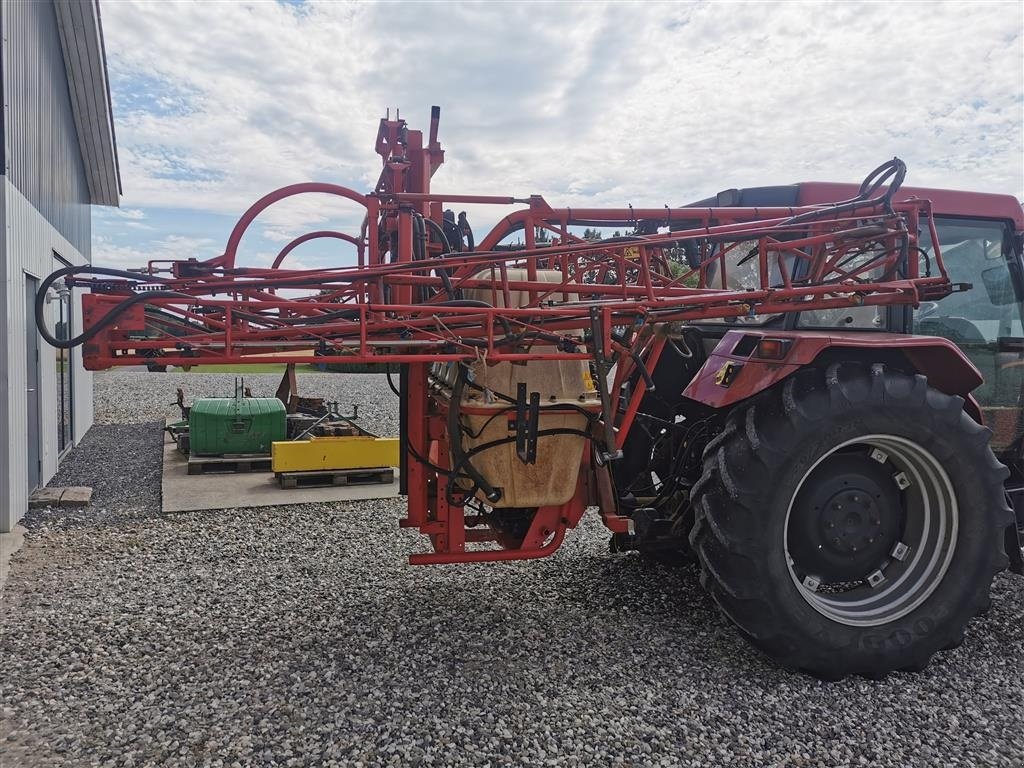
(219, 426)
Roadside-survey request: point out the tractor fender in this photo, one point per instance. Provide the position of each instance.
(736, 370)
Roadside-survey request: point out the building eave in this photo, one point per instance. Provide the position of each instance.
(81, 38)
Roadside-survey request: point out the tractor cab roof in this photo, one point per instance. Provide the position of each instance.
(947, 202)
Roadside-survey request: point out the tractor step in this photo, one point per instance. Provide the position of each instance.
(336, 477)
(205, 465)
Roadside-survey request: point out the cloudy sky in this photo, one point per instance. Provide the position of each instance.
(656, 103)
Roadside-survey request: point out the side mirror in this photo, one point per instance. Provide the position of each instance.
(999, 286)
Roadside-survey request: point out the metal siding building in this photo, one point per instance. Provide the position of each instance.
(58, 159)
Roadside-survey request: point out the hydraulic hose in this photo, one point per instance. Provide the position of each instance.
(421, 223)
(439, 231)
(391, 383)
(511, 400)
(419, 238)
(110, 317)
(892, 172)
(467, 231)
(463, 466)
(459, 457)
(637, 360)
(419, 252)
(894, 169)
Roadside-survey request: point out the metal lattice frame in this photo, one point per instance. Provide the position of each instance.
(405, 301)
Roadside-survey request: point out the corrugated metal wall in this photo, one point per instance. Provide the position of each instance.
(28, 247)
(43, 155)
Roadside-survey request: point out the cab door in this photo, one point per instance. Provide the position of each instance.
(985, 321)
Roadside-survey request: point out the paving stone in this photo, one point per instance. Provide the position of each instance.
(45, 497)
(76, 496)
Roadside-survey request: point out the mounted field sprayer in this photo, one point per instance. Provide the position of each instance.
(837, 487)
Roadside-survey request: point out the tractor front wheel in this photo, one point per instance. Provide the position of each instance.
(851, 521)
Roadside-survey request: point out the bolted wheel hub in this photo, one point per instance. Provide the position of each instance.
(846, 518)
(914, 539)
(852, 519)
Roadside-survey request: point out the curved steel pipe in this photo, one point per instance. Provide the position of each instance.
(323, 233)
(227, 260)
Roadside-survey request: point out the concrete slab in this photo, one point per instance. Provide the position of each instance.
(76, 496)
(9, 544)
(45, 497)
(182, 492)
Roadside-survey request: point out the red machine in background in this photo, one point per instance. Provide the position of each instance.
(559, 373)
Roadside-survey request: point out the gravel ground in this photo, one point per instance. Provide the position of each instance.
(299, 636)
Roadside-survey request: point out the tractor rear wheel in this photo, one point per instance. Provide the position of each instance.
(851, 521)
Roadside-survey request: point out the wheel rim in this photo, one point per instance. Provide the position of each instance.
(871, 530)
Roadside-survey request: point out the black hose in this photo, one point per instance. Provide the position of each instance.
(110, 271)
(464, 464)
(446, 247)
(927, 259)
(466, 230)
(512, 401)
(455, 439)
(419, 252)
(867, 265)
(461, 458)
(439, 231)
(110, 317)
(642, 369)
(420, 239)
(552, 432)
(688, 443)
(447, 281)
(392, 384)
(894, 170)
(433, 467)
(558, 407)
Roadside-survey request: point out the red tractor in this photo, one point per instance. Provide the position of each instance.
(781, 383)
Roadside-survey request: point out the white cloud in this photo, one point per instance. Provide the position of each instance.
(107, 253)
(597, 104)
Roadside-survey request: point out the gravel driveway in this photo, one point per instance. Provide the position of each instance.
(299, 636)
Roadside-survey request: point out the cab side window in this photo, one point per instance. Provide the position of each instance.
(985, 321)
(976, 252)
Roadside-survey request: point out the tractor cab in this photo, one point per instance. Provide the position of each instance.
(980, 237)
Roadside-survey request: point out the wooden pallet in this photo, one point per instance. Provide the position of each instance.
(204, 465)
(322, 477)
